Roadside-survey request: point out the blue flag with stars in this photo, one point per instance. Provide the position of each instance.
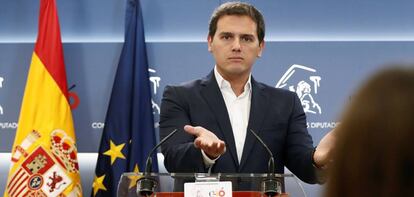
(128, 135)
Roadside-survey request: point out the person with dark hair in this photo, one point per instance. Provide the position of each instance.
(373, 154)
(218, 111)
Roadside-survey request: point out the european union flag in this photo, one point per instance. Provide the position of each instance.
(128, 134)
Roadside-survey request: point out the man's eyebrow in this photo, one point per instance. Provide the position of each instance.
(226, 33)
(231, 33)
(247, 35)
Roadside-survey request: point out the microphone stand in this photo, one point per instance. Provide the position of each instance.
(270, 186)
(146, 185)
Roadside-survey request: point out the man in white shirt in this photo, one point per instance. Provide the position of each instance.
(217, 111)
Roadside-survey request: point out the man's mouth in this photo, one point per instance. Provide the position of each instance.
(235, 58)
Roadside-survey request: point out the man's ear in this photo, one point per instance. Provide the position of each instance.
(209, 41)
(262, 46)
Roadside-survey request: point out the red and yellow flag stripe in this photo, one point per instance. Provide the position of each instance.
(44, 154)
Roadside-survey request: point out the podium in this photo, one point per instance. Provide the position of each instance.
(242, 184)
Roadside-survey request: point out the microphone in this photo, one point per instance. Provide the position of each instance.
(146, 185)
(270, 186)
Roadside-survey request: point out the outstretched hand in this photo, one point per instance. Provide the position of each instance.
(323, 153)
(207, 141)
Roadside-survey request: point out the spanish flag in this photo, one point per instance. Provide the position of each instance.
(44, 154)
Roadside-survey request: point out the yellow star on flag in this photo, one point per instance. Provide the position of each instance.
(98, 184)
(133, 179)
(115, 151)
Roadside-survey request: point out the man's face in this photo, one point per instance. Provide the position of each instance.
(235, 45)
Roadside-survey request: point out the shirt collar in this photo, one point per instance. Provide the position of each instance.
(222, 83)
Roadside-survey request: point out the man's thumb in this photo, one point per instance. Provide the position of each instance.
(190, 129)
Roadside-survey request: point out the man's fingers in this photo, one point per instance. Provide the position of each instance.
(202, 143)
(191, 130)
(197, 131)
(216, 148)
(221, 147)
(197, 143)
(206, 140)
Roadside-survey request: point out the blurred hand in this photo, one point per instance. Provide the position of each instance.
(207, 141)
(323, 153)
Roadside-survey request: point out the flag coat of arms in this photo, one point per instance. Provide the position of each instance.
(129, 134)
(44, 154)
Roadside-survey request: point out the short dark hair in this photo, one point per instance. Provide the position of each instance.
(240, 9)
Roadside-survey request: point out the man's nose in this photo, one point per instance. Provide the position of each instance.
(236, 45)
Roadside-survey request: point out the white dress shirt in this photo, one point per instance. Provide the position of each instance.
(238, 108)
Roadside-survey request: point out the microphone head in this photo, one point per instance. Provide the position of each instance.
(146, 186)
(271, 187)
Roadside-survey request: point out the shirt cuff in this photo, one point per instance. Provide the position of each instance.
(207, 161)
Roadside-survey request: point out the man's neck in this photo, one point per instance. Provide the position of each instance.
(238, 85)
(237, 82)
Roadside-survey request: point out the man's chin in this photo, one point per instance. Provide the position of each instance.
(237, 71)
(234, 70)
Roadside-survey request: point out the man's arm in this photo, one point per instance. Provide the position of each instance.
(299, 145)
(180, 153)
